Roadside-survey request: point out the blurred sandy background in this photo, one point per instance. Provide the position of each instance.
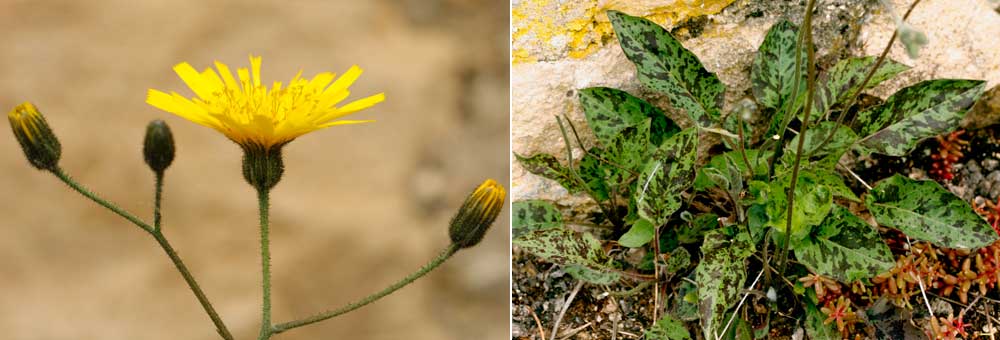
(359, 206)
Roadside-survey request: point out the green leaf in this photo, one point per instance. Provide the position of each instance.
(836, 184)
(592, 276)
(827, 154)
(920, 111)
(812, 203)
(685, 305)
(841, 82)
(720, 276)
(565, 247)
(641, 233)
(670, 172)
(772, 74)
(926, 211)
(594, 172)
(696, 228)
(721, 162)
(533, 215)
(548, 166)
(845, 248)
(609, 111)
(668, 328)
(667, 67)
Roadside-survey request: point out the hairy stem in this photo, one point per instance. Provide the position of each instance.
(427, 268)
(265, 264)
(810, 90)
(220, 326)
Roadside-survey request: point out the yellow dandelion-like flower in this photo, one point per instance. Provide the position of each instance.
(254, 116)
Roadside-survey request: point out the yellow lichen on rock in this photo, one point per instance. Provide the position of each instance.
(551, 29)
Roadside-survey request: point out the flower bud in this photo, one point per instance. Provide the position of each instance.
(158, 148)
(40, 145)
(477, 214)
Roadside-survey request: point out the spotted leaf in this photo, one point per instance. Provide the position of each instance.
(548, 166)
(533, 215)
(670, 171)
(566, 247)
(926, 211)
(845, 248)
(841, 82)
(610, 111)
(917, 112)
(825, 154)
(720, 275)
(772, 75)
(665, 66)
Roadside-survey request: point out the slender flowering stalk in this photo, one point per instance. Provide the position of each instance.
(471, 222)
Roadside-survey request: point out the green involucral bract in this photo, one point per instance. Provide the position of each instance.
(812, 203)
(917, 112)
(532, 215)
(845, 248)
(609, 111)
(665, 66)
(772, 75)
(925, 211)
(670, 172)
(720, 275)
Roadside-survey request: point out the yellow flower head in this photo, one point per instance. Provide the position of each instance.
(252, 115)
(476, 215)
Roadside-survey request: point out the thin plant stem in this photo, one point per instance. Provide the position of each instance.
(579, 180)
(444, 256)
(220, 326)
(810, 90)
(864, 83)
(93, 197)
(158, 197)
(789, 106)
(265, 264)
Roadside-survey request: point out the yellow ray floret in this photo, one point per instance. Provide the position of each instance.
(253, 115)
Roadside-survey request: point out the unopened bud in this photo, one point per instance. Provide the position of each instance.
(158, 148)
(477, 214)
(40, 145)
